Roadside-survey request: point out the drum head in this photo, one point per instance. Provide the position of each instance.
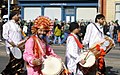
(106, 43)
(90, 59)
(51, 66)
(16, 53)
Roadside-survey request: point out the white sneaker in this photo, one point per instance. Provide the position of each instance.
(0, 74)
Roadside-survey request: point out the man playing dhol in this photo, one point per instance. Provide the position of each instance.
(37, 48)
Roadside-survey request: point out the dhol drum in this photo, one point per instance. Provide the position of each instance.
(89, 57)
(90, 61)
(52, 66)
(16, 52)
(106, 44)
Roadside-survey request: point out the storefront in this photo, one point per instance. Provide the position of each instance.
(63, 10)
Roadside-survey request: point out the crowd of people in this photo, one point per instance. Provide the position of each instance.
(34, 40)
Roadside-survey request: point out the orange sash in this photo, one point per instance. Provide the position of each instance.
(38, 51)
(77, 41)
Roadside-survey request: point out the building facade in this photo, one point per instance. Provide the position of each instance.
(66, 10)
(63, 10)
(113, 10)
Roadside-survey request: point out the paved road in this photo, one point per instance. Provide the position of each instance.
(112, 58)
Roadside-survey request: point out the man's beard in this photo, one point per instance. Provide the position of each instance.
(41, 36)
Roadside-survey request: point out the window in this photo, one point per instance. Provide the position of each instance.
(117, 11)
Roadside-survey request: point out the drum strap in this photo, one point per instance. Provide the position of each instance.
(77, 41)
(97, 28)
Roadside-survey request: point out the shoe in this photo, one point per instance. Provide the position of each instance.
(0, 74)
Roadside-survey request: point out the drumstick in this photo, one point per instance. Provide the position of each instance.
(23, 33)
(11, 43)
(86, 55)
(65, 68)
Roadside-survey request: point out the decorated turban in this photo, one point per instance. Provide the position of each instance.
(41, 22)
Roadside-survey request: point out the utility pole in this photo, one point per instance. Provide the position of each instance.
(99, 6)
(8, 8)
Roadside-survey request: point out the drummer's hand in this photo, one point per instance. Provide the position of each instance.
(13, 44)
(27, 37)
(45, 57)
(37, 62)
(82, 62)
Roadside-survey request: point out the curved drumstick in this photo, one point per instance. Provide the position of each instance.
(65, 68)
(86, 55)
(23, 33)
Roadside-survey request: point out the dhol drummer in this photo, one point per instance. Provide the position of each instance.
(94, 33)
(13, 36)
(73, 50)
(37, 48)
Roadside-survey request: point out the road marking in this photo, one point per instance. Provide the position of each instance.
(3, 53)
(2, 44)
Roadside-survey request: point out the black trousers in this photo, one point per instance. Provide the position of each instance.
(14, 66)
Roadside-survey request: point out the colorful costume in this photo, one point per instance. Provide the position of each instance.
(32, 51)
(36, 47)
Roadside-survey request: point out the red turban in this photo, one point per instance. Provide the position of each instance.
(41, 22)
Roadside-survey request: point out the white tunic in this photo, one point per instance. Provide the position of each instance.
(72, 55)
(11, 32)
(93, 35)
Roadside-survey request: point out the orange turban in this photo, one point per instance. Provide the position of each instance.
(41, 22)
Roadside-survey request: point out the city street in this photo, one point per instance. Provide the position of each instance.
(112, 58)
(58, 18)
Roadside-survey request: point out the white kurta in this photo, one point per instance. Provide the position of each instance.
(93, 35)
(72, 55)
(11, 32)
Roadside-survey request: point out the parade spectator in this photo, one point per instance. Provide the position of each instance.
(57, 35)
(25, 27)
(56, 21)
(29, 25)
(111, 29)
(82, 30)
(106, 29)
(115, 32)
(65, 33)
(118, 32)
